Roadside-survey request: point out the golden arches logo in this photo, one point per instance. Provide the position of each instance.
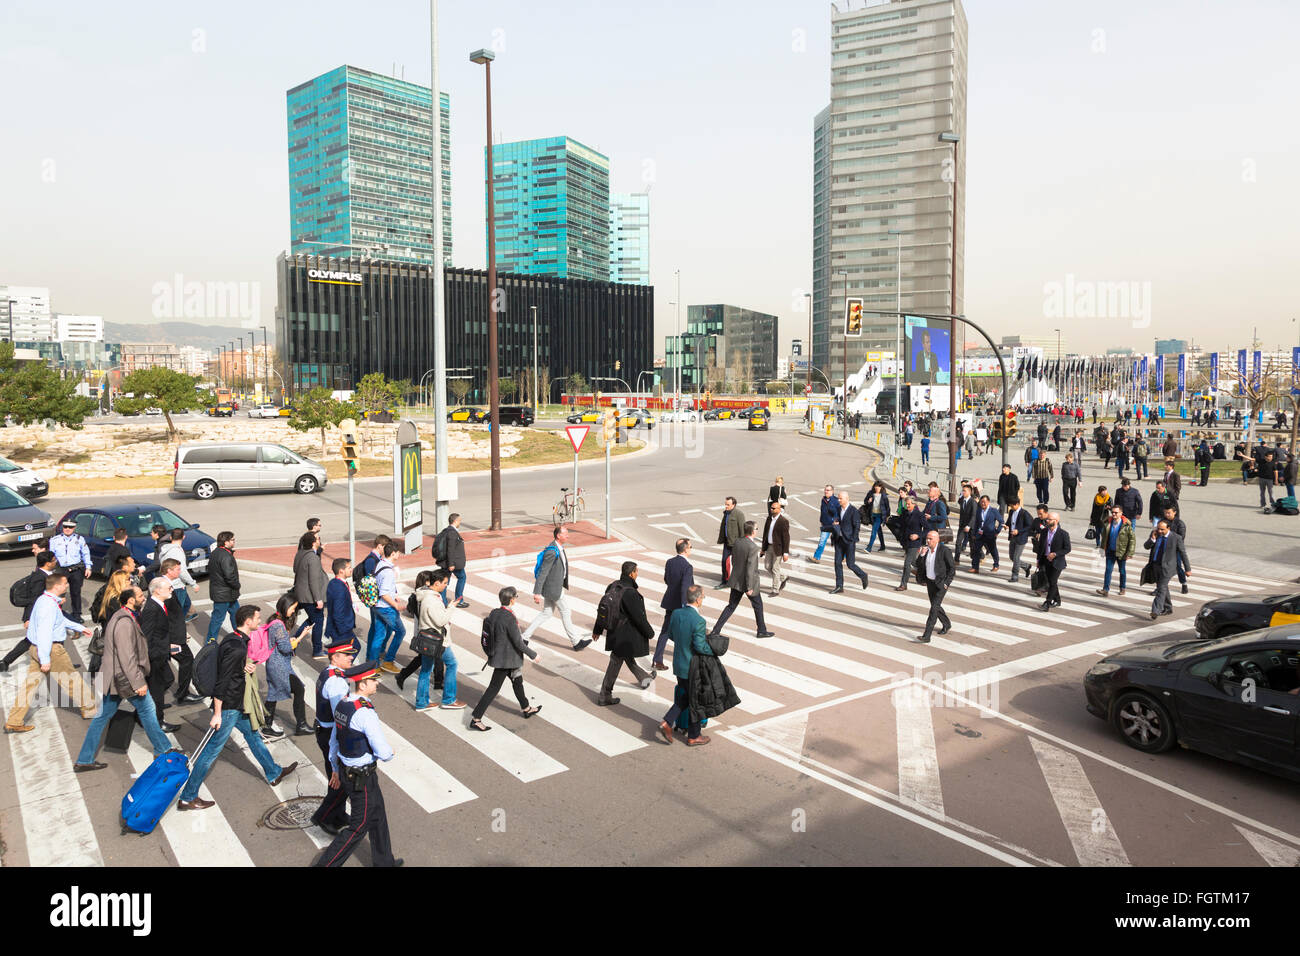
(410, 470)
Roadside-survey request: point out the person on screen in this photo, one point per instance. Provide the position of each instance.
(925, 363)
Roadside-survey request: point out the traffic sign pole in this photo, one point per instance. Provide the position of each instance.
(608, 488)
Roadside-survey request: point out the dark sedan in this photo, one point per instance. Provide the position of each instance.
(1234, 697)
(22, 524)
(97, 525)
(1228, 616)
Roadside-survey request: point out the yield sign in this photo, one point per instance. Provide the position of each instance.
(577, 434)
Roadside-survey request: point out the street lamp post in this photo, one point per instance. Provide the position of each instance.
(485, 58)
(536, 406)
(952, 333)
(844, 402)
(266, 363)
(898, 337)
(681, 351)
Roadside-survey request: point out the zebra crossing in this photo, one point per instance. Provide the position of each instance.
(827, 650)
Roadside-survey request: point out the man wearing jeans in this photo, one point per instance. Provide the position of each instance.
(552, 580)
(123, 675)
(454, 556)
(233, 667)
(386, 628)
(223, 584)
(830, 509)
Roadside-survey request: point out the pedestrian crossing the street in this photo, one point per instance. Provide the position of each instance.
(826, 649)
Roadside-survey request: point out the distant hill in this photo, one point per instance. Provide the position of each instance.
(182, 333)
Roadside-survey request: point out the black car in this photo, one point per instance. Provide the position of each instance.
(97, 525)
(516, 415)
(1228, 616)
(1233, 697)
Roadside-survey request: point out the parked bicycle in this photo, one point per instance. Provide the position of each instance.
(569, 507)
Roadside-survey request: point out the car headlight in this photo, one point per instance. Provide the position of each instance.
(1205, 612)
(49, 522)
(1103, 668)
(197, 553)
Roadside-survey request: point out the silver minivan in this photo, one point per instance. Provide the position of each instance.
(203, 470)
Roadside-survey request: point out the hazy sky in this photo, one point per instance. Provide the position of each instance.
(1117, 141)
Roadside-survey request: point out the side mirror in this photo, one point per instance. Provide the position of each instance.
(194, 527)
(1215, 679)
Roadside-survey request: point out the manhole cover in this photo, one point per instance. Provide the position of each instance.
(292, 814)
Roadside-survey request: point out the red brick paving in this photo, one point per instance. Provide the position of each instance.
(527, 539)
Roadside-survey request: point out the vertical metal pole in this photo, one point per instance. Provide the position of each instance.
(536, 406)
(437, 291)
(352, 518)
(952, 342)
(898, 344)
(494, 394)
(575, 477)
(609, 489)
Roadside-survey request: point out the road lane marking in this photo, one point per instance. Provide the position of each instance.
(1086, 824)
(1274, 853)
(918, 757)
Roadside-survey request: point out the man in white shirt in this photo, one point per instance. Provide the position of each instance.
(47, 630)
(551, 581)
(776, 546)
(935, 566)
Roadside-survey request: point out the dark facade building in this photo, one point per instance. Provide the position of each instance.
(342, 318)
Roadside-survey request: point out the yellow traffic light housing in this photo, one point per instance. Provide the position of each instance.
(609, 425)
(348, 449)
(1011, 424)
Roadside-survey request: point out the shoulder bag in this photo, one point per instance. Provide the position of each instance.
(428, 642)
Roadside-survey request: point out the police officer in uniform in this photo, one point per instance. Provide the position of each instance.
(73, 555)
(357, 745)
(331, 687)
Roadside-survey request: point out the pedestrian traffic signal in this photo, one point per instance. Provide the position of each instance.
(348, 450)
(1011, 423)
(853, 317)
(609, 425)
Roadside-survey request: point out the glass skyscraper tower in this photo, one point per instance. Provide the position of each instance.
(552, 208)
(359, 145)
(629, 238)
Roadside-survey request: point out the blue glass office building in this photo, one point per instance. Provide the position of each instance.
(629, 238)
(552, 209)
(359, 145)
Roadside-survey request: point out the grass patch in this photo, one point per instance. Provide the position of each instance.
(24, 453)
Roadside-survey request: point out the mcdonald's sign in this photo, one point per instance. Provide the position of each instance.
(408, 473)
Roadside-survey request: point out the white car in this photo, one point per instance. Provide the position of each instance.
(681, 415)
(153, 411)
(264, 410)
(23, 480)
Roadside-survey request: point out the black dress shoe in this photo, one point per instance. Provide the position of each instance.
(189, 699)
(765, 634)
(835, 591)
(586, 641)
(303, 729)
(1045, 606)
(169, 728)
(944, 630)
(921, 640)
(3, 667)
(83, 767)
(864, 584)
(330, 828)
(1184, 588)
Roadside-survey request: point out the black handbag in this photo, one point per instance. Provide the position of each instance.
(428, 643)
(718, 643)
(1091, 534)
(1148, 575)
(1038, 581)
(96, 646)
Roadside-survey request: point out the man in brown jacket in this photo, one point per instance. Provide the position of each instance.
(775, 550)
(124, 672)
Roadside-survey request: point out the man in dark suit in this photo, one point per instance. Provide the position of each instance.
(729, 533)
(1166, 551)
(847, 525)
(935, 566)
(775, 549)
(1053, 546)
(1008, 488)
(744, 582)
(1018, 524)
(966, 506)
(154, 621)
(983, 531)
(678, 577)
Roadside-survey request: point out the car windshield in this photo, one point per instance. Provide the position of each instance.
(138, 525)
(6, 465)
(11, 499)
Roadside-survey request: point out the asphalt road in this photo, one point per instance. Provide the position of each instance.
(831, 757)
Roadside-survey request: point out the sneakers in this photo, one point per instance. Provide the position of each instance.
(462, 603)
(18, 728)
(389, 667)
(647, 681)
(270, 732)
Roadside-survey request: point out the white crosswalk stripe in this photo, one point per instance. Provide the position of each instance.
(918, 759)
(1086, 824)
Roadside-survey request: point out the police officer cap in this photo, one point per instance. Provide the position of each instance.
(360, 672)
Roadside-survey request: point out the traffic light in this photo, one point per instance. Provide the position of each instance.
(1011, 423)
(853, 317)
(348, 449)
(997, 430)
(618, 364)
(609, 425)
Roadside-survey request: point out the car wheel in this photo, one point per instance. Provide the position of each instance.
(1144, 723)
(205, 489)
(305, 485)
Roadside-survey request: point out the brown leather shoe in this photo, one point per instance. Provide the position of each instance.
(284, 773)
(18, 728)
(699, 741)
(198, 803)
(661, 667)
(665, 731)
(389, 667)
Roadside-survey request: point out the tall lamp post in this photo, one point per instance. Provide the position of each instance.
(681, 350)
(536, 406)
(266, 364)
(808, 346)
(485, 58)
(1058, 360)
(898, 337)
(952, 333)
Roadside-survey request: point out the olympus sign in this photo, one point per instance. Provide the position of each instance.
(329, 275)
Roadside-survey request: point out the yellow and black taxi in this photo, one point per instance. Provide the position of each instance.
(1235, 697)
(637, 418)
(286, 411)
(1232, 615)
(467, 413)
(719, 415)
(758, 419)
(589, 416)
(223, 410)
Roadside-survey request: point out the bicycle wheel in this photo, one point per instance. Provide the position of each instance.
(557, 513)
(578, 506)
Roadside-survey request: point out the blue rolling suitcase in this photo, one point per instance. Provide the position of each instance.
(155, 790)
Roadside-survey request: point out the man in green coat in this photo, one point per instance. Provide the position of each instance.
(688, 632)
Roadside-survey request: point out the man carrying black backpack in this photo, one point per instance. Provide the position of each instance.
(627, 632)
(449, 552)
(23, 593)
